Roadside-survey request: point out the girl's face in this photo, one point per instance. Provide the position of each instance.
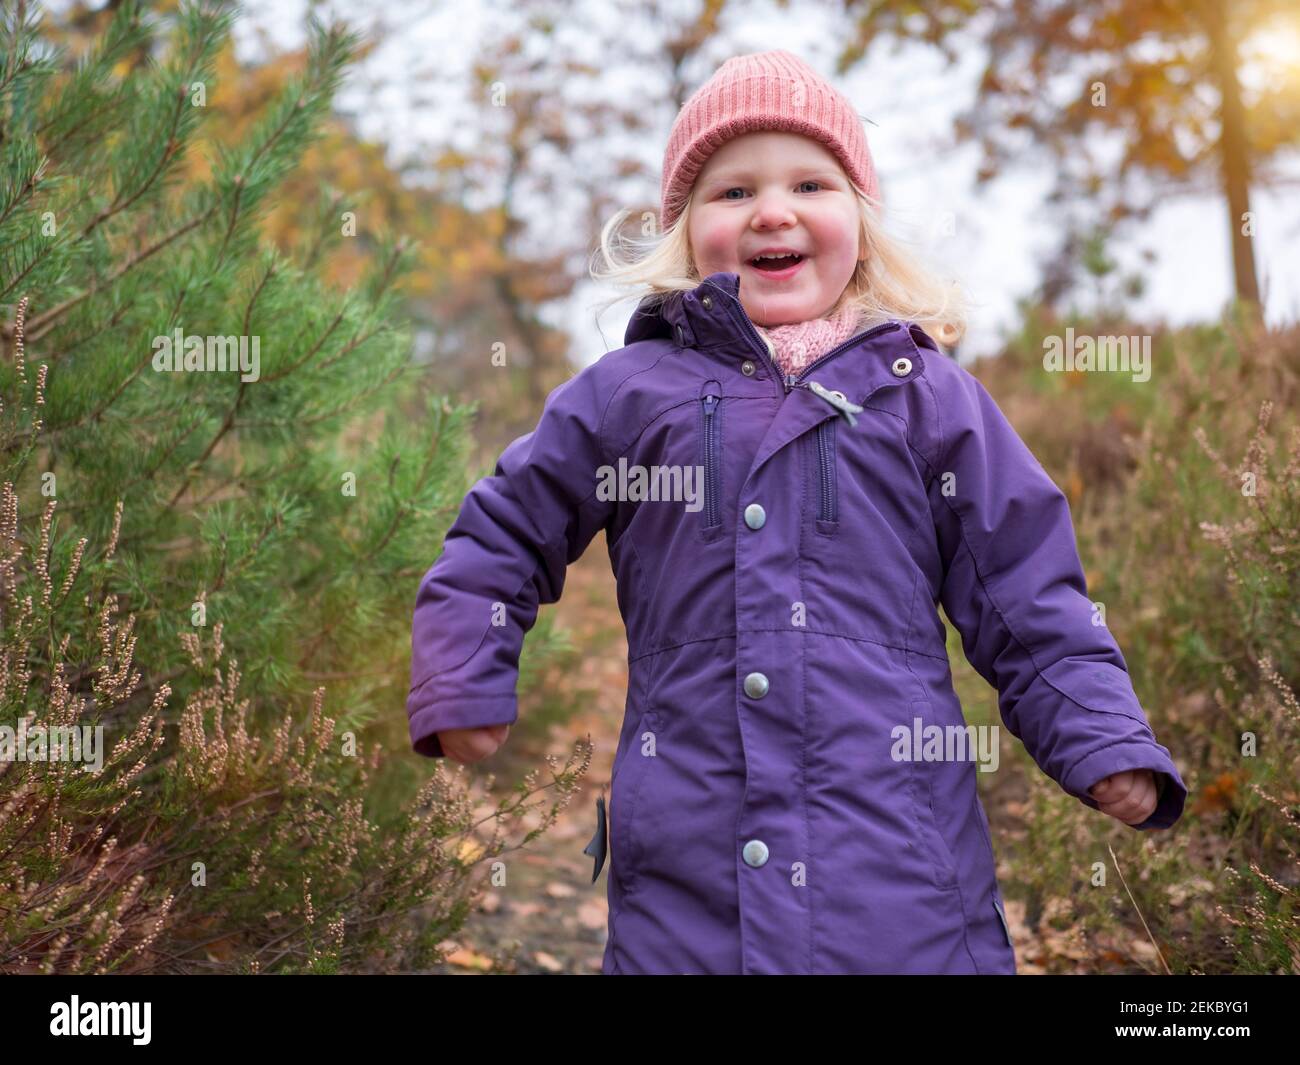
(768, 190)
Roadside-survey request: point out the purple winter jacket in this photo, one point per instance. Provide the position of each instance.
(783, 634)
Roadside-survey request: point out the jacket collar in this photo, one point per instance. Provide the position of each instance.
(711, 316)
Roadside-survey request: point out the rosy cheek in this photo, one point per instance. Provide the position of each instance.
(715, 247)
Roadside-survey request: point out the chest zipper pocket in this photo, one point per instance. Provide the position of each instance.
(828, 503)
(828, 508)
(711, 453)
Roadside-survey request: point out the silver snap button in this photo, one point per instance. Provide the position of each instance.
(708, 302)
(755, 516)
(902, 367)
(747, 368)
(755, 685)
(755, 853)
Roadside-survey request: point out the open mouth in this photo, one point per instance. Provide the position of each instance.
(775, 264)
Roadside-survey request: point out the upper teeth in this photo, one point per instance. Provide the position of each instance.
(777, 255)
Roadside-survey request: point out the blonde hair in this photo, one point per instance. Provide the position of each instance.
(889, 282)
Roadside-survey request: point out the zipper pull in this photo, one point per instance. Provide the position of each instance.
(846, 407)
(710, 401)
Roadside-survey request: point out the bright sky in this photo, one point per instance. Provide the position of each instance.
(410, 94)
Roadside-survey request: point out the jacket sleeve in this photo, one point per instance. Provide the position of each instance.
(1013, 585)
(504, 555)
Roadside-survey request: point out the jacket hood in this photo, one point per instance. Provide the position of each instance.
(661, 315)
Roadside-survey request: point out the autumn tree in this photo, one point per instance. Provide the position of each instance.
(1135, 100)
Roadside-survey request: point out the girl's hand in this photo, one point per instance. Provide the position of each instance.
(472, 744)
(1129, 796)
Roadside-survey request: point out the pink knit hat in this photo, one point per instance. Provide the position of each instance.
(766, 91)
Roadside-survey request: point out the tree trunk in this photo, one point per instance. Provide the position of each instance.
(1234, 153)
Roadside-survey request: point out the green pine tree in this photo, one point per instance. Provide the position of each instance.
(216, 565)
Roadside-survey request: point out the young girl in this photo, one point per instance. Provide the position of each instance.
(791, 477)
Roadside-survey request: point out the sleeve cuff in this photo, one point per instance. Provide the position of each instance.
(1171, 792)
(466, 711)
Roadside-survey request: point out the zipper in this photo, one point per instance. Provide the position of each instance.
(838, 400)
(826, 455)
(711, 516)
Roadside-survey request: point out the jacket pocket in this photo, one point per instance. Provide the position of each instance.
(627, 778)
(828, 504)
(931, 839)
(711, 453)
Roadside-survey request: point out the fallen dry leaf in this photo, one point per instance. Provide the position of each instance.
(469, 959)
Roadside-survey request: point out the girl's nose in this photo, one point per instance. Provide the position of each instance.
(772, 209)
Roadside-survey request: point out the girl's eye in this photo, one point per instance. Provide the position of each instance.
(737, 188)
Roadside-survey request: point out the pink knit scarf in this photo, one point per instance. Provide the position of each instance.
(796, 344)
